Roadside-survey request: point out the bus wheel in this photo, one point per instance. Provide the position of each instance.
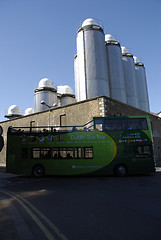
(120, 170)
(38, 171)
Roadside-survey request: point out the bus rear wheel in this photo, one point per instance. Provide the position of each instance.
(120, 170)
(38, 171)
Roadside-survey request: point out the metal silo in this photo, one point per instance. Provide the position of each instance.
(66, 95)
(45, 92)
(129, 75)
(141, 84)
(29, 111)
(115, 69)
(76, 75)
(14, 111)
(92, 63)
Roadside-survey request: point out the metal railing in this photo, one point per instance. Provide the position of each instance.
(87, 126)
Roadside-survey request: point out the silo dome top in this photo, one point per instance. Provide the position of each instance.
(45, 83)
(136, 60)
(14, 110)
(64, 90)
(124, 50)
(89, 22)
(29, 111)
(109, 38)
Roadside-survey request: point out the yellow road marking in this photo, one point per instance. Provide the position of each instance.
(17, 197)
(53, 226)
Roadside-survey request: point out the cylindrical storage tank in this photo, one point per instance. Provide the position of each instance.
(115, 69)
(129, 75)
(92, 64)
(58, 99)
(46, 93)
(76, 76)
(29, 111)
(141, 85)
(159, 115)
(13, 112)
(66, 95)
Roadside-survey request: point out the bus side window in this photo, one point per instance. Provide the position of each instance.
(143, 151)
(55, 153)
(69, 153)
(77, 152)
(62, 153)
(45, 153)
(88, 152)
(36, 153)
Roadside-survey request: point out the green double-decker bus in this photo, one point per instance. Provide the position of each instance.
(106, 146)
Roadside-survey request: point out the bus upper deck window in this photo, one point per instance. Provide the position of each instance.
(115, 124)
(99, 124)
(99, 127)
(137, 124)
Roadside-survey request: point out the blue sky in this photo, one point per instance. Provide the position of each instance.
(38, 39)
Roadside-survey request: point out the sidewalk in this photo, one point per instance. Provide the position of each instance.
(3, 174)
(12, 224)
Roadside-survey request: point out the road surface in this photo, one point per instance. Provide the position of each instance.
(80, 208)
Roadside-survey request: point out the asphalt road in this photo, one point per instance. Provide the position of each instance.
(80, 208)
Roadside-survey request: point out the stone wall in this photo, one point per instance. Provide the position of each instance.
(79, 114)
(69, 115)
